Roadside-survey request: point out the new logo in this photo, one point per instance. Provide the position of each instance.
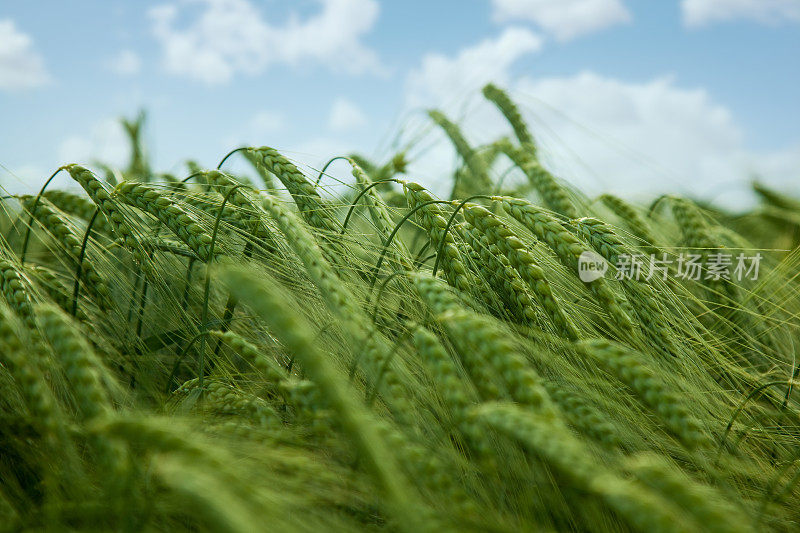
(591, 266)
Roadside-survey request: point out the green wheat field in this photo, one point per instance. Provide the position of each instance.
(212, 352)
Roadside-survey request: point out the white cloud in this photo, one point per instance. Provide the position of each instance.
(702, 12)
(266, 122)
(125, 63)
(346, 116)
(265, 127)
(21, 67)
(640, 138)
(105, 141)
(564, 19)
(228, 37)
(633, 137)
(598, 133)
(441, 81)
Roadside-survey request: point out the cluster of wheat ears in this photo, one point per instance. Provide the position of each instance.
(217, 354)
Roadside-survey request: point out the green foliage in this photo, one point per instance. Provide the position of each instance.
(208, 356)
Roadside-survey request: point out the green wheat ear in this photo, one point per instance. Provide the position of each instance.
(509, 109)
(139, 166)
(308, 200)
(555, 195)
(568, 249)
(631, 369)
(520, 258)
(478, 178)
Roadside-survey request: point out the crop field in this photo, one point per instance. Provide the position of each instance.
(251, 351)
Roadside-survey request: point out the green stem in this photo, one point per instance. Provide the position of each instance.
(442, 241)
(76, 287)
(32, 213)
(180, 358)
(394, 232)
(207, 289)
(230, 154)
(358, 197)
(739, 409)
(324, 168)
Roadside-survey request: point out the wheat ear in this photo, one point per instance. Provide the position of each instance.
(641, 296)
(271, 305)
(57, 225)
(568, 248)
(16, 288)
(706, 504)
(313, 208)
(186, 227)
(510, 110)
(452, 261)
(582, 414)
(108, 206)
(554, 194)
(479, 174)
(629, 367)
(77, 206)
(566, 454)
(523, 261)
(638, 224)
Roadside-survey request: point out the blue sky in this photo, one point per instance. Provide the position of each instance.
(633, 96)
